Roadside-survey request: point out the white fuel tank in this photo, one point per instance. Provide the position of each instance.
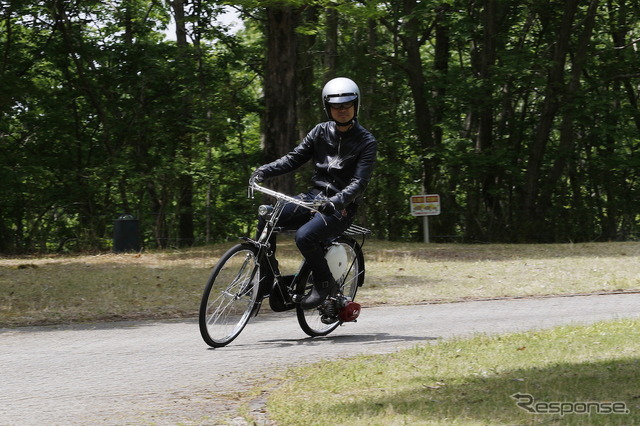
(337, 259)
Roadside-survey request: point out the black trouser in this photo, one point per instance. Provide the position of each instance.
(313, 229)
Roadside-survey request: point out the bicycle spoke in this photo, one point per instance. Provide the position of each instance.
(220, 310)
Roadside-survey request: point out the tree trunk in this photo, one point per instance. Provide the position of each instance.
(566, 145)
(158, 203)
(307, 92)
(331, 44)
(441, 67)
(553, 95)
(280, 133)
(185, 180)
(417, 83)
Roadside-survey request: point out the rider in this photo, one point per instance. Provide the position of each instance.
(343, 153)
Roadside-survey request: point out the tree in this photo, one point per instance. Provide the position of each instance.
(523, 117)
(280, 87)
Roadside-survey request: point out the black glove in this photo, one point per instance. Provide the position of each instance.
(256, 177)
(327, 209)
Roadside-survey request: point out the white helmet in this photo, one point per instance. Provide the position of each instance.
(340, 90)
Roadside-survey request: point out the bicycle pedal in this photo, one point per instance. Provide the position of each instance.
(297, 298)
(328, 320)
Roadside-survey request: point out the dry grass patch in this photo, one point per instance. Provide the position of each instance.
(103, 287)
(410, 273)
(165, 284)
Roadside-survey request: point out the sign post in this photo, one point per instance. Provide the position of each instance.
(425, 206)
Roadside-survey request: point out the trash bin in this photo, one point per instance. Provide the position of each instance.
(126, 234)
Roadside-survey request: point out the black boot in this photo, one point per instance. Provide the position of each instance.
(319, 294)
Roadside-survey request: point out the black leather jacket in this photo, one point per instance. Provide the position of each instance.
(343, 161)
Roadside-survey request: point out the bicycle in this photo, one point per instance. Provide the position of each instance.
(235, 291)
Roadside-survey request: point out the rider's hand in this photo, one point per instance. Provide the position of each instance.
(327, 208)
(256, 177)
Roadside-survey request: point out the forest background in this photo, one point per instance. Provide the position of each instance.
(522, 115)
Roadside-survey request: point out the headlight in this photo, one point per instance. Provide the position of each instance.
(265, 210)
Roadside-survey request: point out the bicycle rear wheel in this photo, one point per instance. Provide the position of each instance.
(230, 296)
(310, 320)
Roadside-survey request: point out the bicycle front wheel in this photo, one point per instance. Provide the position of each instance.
(230, 296)
(310, 320)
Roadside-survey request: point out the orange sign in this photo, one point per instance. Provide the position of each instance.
(425, 205)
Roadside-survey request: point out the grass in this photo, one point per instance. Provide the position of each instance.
(167, 284)
(471, 381)
(105, 287)
(456, 381)
(451, 272)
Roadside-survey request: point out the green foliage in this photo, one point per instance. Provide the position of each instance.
(102, 114)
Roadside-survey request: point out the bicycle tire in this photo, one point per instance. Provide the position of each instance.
(230, 296)
(310, 319)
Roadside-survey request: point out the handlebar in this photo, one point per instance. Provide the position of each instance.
(311, 205)
(353, 230)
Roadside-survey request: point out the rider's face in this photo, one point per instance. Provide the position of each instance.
(344, 113)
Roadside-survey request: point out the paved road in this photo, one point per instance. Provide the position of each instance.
(162, 373)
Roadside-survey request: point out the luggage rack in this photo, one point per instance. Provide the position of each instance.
(354, 230)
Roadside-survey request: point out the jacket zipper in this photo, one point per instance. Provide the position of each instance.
(329, 166)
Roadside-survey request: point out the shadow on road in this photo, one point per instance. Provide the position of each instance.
(366, 339)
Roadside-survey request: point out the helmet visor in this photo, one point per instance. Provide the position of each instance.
(341, 98)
